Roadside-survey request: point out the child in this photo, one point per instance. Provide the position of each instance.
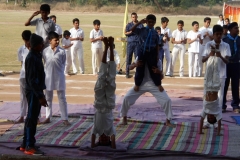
(77, 36)
(55, 58)
(227, 21)
(58, 29)
(179, 39)
(207, 37)
(194, 39)
(105, 100)
(148, 52)
(96, 37)
(219, 52)
(221, 20)
(167, 35)
(35, 84)
(160, 44)
(225, 31)
(44, 25)
(116, 57)
(22, 54)
(66, 44)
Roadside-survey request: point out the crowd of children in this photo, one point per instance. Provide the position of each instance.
(211, 45)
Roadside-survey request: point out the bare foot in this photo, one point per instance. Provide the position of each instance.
(67, 75)
(21, 120)
(161, 89)
(66, 123)
(124, 121)
(136, 88)
(46, 121)
(168, 123)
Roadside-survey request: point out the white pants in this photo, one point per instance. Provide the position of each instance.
(97, 54)
(68, 61)
(200, 60)
(62, 104)
(77, 51)
(168, 60)
(178, 50)
(161, 97)
(193, 64)
(23, 99)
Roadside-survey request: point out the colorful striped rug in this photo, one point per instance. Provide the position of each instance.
(139, 135)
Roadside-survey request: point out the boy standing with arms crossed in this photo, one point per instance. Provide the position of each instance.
(35, 84)
(96, 37)
(77, 36)
(44, 25)
(55, 59)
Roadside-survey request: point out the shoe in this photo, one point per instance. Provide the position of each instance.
(236, 110)
(168, 75)
(128, 76)
(33, 151)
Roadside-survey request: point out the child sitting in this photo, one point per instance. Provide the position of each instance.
(105, 100)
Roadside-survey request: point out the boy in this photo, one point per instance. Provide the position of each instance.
(207, 37)
(221, 20)
(179, 39)
(22, 54)
(35, 84)
(221, 50)
(148, 52)
(132, 42)
(96, 37)
(58, 29)
(55, 59)
(44, 25)
(160, 44)
(194, 39)
(77, 36)
(116, 58)
(225, 31)
(167, 35)
(66, 44)
(232, 67)
(105, 100)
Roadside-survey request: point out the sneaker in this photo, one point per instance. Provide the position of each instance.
(33, 151)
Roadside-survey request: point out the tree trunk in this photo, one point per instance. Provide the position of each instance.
(158, 6)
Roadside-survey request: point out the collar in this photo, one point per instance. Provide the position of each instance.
(47, 21)
(215, 42)
(57, 49)
(96, 30)
(181, 30)
(164, 28)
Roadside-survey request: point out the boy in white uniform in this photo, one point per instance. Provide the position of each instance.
(221, 50)
(221, 20)
(77, 36)
(179, 39)
(116, 58)
(58, 29)
(55, 59)
(207, 37)
(22, 54)
(96, 37)
(105, 100)
(194, 39)
(167, 35)
(66, 44)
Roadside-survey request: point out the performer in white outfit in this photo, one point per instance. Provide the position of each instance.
(55, 59)
(105, 99)
(179, 39)
(221, 20)
(66, 44)
(22, 54)
(222, 52)
(194, 39)
(207, 34)
(116, 58)
(147, 86)
(77, 36)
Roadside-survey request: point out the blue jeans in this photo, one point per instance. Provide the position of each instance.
(132, 47)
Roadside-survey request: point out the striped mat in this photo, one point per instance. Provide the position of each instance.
(139, 135)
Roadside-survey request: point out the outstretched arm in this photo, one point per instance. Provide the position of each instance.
(137, 24)
(28, 22)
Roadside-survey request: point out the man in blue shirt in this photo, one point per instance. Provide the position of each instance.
(233, 67)
(132, 42)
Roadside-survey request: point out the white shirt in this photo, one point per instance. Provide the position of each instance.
(219, 22)
(204, 30)
(147, 76)
(95, 34)
(179, 36)
(194, 46)
(224, 50)
(163, 31)
(212, 108)
(54, 68)
(75, 33)
(116, 56)
(66, 42)
(58, 29)
(43, 28)
(22, 54)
